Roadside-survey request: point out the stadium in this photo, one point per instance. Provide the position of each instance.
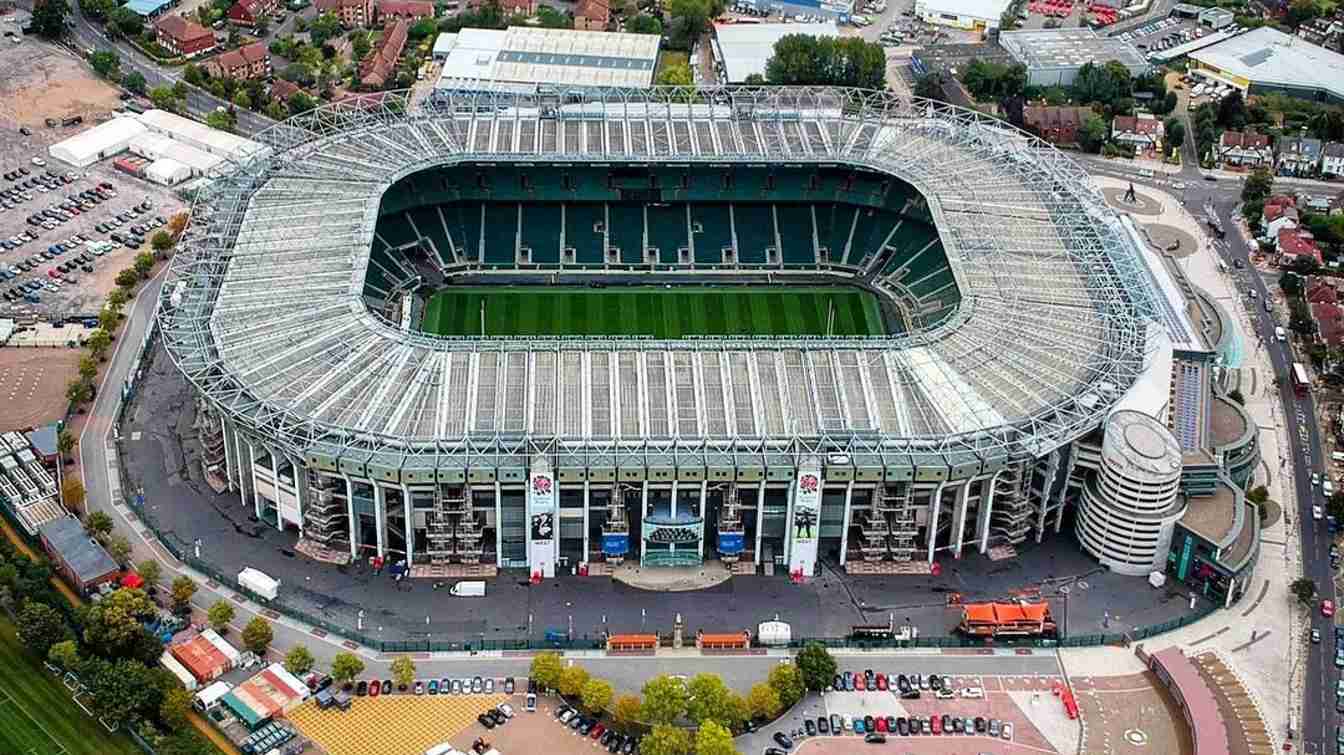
(765, 326)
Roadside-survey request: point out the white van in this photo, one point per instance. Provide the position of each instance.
(1281, 335)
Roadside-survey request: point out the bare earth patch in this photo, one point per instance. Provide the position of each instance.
(32, 385)
(41, 81)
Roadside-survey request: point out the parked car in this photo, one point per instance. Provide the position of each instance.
(783, 740)
(362, 688)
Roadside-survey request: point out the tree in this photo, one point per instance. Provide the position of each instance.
(713, 739)
(112, 626)
(97, 9)
(596, 695)
(1232, 113)
(108, 319)
(126, 22)
(345, 667)
(177, 224)
(49, 18)
(119, 548)
(300, 102)
(123, 690)
(572, 680)
(78, 391)
(299, 660)
(106, 64)
(40, 626)
(324, 27)
(787, 680)
(221, 121)
(1175, 130)
(98, 523)
(644, 24)
(994, 81)
(817, 666)
(665, 700)
(1305, 590)
(144, 262)
(763, 701)
(163, 98)
(243, 100)
(175, 710)
(1258, 186)
(161, 241)
(626, 713)
(676, 74)
(707, 699)
(182, 589)
(257, 635)
(850, 61)
(359, 46)
(72, 492)
(184, 742)
(134, 81)
(666, 740)
(220, 614)
(1335, 506)
(403, 671)
(1258, 494)
(545, 668)
(1093, 134)
(64, 655)
(150, 571)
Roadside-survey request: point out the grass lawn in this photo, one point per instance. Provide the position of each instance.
(652, 311)
(38, 717)
(668, 58)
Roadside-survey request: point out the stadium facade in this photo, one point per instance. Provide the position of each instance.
(1023, 313)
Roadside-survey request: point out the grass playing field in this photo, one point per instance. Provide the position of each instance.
(652, 311)
(37, 716)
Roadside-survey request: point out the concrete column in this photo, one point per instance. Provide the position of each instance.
(643, 514)
(673, 546)
(229, 459)
(788, 524)
(849, 515)
(959, 517)
(410, 524)
(760, 519)
(252, 471)
(300, 488)
(704, 489)
(935, 508)
(986, 511)
(350, 513)
(586, 503)
(499, 529)
(380, 517)
(275, 485)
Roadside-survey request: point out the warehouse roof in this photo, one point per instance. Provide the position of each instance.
(990, 10)
(1268, 56)
(1068, 48)
(747, 47)
(85, 558)
(569, 57)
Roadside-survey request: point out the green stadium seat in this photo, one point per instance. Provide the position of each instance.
(915, 252)
(395, 230)
(754, 225)
(714, 232)
(794, 222)
(580, 219)
(501, 234)
(626, 230)
(667, 231)
(841, 224)
(464, 228)
(430, 226)
(873, 228)
(937, 283)
(541, 232)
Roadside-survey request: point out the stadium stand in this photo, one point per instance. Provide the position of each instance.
(625, 231)
(797, 234)
(428, 226)
(714, 233)
(584, 231)
(667, 231)
(540, 232)
(754, 228)
(500, 235)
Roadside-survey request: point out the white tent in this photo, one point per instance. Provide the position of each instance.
(167, 172)
(101, 141)
(155, 146)
(199, 135)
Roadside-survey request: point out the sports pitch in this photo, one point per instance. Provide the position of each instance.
(660, 312)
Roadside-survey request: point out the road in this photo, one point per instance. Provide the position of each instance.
(85, 34)
(1316, 729)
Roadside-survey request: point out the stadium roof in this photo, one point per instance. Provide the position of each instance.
(1068, 48)
(521, 57)
(268, 321)
(1267, 56)
(745, 48)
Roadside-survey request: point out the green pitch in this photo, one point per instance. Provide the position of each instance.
(654, 311)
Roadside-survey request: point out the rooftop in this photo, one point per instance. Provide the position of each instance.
(1268, 56)
(987, 9)
(1228, 422)
(86, 558)
(1212, 517)
(1068, 48)
(564, 57)
(746, 48)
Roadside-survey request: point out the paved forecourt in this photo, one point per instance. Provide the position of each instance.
(398, 723)
(660, 312)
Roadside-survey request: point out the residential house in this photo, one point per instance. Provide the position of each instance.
(247, 62)
(1337, 204)
(1299, 156)
(1332, 159)
(1245, 148)
(75, 556)
(1293, 244)
(1143, 132)
(409, 10)
(1329, 319)
(1055, 124)
(182, 36)
(1317, 203)
(283, 89)
(1321, 290)
(592, 15)
(1280, 212)
(352, 13)
(510, 7)
(1325, 32)
(249, 12)
(381, 63)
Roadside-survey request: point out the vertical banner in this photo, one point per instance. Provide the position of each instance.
(806, 521)
(542, 538)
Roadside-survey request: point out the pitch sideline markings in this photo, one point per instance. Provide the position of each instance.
(8, 699)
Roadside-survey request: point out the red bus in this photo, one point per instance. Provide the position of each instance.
(1301, 381)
